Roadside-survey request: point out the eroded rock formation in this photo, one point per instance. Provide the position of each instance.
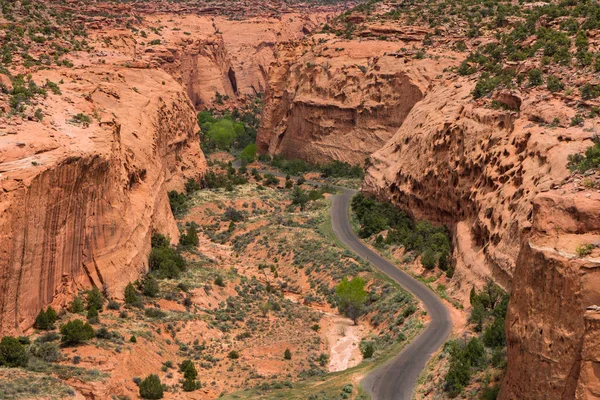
(81, 198)
(500, 180)
(340, 100)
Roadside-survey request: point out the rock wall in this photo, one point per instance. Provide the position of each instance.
(334, 99)
(547, 323)
(499, 179)
(80, 203)
(229, 57)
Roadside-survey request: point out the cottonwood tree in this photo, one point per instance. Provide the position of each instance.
(352, 297)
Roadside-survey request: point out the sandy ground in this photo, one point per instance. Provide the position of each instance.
(343, 338)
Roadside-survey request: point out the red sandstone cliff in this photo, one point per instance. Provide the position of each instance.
(338, 99)
(79, 204)
(499, 178)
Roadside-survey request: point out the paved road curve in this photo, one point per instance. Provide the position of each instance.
(396, 379)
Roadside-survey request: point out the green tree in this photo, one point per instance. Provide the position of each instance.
(299, 197)
(41, 321)
(190, 238)
(131, 296)
(13, 354)
(287, 354)
(95, 299)
(150, 286)
(248, 154)
(151, 388)
(75, 332)
(535, 77)
(189, 375)
(77, 305)
(92, 316)
(222, 133)
(429, 259)
(367, 348)
(352, 297)
(51, 314)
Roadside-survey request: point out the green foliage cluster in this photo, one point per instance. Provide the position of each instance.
(13, 353)
(190, 375)
(178, 202)
(164, 261)
(587, 161)
(352, 297)
(190, 238)
(488, 315)
(75, 332)
(45, 319)
(421, 237)
(131, 296)
(231, 131)
(333, 169)
(151, 388)
(214, 180)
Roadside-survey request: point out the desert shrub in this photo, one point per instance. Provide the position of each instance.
(554, 84)
(248, 155)
(154, 313)
(494, 334)
(113, 305)
(463, 357)
(47, 351)
(77, 305)
(150, 286)
(151, 388)
(233, 354)
(92, 316)
(367, 348)
(164, 261)
(131, 296)
(13, 354)
(428, 260)
(95, 299)
(42, 321)
(535, 77)
(287, 354)
(178, 202)
(191, 186)
(190, 238)
(338, 169)
(231, 214)
(75, 332)
(219, 281)
(583, 162)
(585, 249)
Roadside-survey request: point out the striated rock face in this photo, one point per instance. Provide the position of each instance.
(547, 322)
(340, 100)
(79, 203)
(500, 181)
(229, 57)
(588, 385)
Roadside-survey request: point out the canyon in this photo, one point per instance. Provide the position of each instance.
(85, 179)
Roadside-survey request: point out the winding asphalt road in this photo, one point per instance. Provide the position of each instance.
(395, 380)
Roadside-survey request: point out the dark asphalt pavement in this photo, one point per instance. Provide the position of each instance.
(396, 379)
